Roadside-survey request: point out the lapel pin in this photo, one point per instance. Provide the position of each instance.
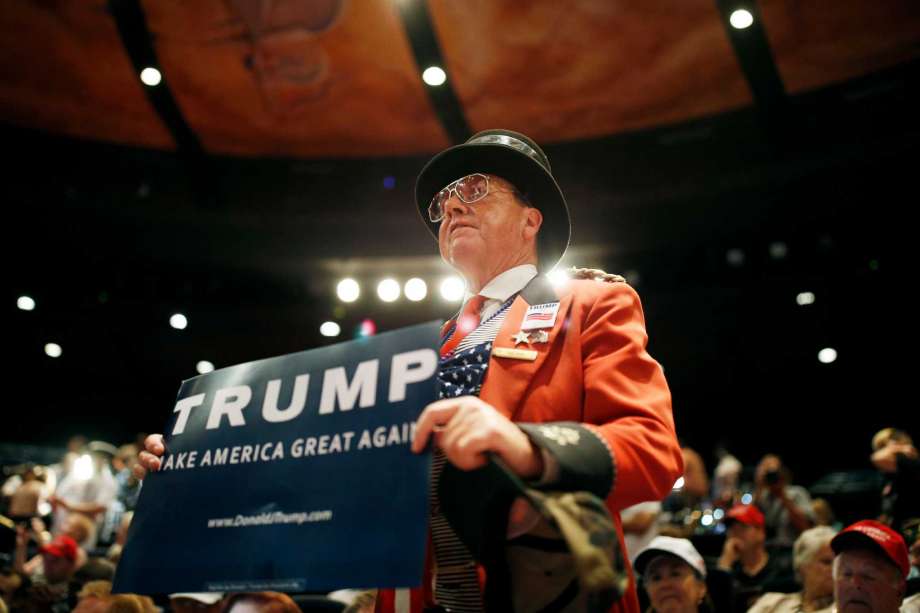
(515, 354)
(520, 337)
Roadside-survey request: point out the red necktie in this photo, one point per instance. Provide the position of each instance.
(466, 323)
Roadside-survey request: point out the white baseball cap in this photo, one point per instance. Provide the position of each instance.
(207, 598)
(682, 548)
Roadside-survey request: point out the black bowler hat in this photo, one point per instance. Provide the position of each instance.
(515, 158)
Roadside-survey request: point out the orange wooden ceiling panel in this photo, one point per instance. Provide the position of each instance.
(64, 70)
(568, 70)
(820, 43)
(282, 78)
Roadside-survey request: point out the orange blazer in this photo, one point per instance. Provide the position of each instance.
(593, 370)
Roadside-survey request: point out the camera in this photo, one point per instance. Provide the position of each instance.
(771, 477)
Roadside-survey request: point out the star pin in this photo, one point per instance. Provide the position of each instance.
(520, 337)
(540, 336)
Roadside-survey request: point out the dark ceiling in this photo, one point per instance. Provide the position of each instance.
(240, 189)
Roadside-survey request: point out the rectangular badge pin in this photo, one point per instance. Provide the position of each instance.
(540, 316)
(515, 354)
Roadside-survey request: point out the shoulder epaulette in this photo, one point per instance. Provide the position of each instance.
(594, 274)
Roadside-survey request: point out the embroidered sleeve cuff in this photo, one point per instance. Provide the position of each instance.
(580, 460)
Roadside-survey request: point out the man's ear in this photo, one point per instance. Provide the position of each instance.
(533, 219)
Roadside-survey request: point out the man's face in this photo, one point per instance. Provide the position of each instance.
(865, 582)
(751, 537)
(480, 235)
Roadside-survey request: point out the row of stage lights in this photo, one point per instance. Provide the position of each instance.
(452, 290)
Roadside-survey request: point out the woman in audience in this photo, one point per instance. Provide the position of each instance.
(673, 575)
(813, 561)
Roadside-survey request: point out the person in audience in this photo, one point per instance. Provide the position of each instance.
(726, 478)
(824, 514)
(50, 588)
(686, 503)
(911, 603)
(363, 602)
(745, 558)
(640, 526)
(786, 508)
(196, 602)
(673, 575)
(94, 597)
(77, 526)
(26, 498)
(813, 561)
(89, 496)
(894, 455)
(97, 597)
(870, 568)
(260, 602)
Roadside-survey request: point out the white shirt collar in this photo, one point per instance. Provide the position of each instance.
(507, 283)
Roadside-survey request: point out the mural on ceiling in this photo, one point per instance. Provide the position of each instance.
(287, 57)
(337, 78)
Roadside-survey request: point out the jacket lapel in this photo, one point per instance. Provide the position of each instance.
(508, 378)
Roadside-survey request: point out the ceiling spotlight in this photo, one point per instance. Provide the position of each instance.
(557, 277)
(178, 321)
(805, 298)
(416, 289)
(452, 289)
(434, 76)
(348, 290)
(827, 355)
(741, 19)
(388, 290)
(778, 250)
(53, 350)
(330, 328)
(735, 257)
(151, 76)
(204, 367)
(25, 303)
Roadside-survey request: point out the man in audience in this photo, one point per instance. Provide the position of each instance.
(682, 503)
(745, 557)
(870, 568)
(89, 496)
(894, 455)
(786, 508)
(50, 588)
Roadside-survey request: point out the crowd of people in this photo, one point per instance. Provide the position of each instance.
(714, 544)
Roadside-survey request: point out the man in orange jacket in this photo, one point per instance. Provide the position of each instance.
(557, 384)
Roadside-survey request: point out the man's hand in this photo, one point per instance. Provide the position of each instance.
(149, 459)
(886, 458)
(467, 429)
(730, 553)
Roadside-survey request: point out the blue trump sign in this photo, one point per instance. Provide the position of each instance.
(292, 474)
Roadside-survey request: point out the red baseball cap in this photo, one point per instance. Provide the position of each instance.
(62, 546)
(877, 536)
(746, 514)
